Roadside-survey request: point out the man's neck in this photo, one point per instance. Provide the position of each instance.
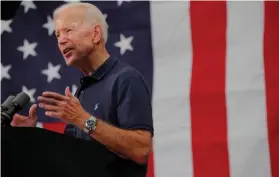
(95, 60)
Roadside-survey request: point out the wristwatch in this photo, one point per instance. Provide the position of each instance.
(90, 124)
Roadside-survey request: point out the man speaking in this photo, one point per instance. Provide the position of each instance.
(112, 104)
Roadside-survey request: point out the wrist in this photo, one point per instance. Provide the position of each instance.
(82, 119)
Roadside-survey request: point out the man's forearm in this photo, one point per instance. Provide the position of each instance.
(134, 145)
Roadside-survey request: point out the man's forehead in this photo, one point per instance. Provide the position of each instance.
(68, 18)
(70, 13)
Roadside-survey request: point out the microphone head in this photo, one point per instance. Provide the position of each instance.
(21, 99)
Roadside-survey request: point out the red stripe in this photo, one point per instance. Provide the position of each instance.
(56, 127)
(150, 172)
(271, 63)
(208, 103)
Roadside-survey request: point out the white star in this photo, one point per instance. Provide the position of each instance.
(28, 49)
(5, 26)
(119, 2)
(28, 5)
(49, 25)
(124, 44)
(74, 89)
(52, 72)
(30, 93)
(5, 71)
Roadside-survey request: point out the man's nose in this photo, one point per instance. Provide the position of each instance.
(62, 40)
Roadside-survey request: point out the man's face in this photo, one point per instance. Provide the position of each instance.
(74, 36)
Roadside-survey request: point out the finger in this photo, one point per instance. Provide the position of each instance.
(33, 111)
(53, 114)
(55, 96)
(68, 92)
(48, 107)
(46, 100)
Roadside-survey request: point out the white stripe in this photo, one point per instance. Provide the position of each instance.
(172, 72)
(247, 127)
(39, 125)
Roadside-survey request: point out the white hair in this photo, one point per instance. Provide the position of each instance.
(93, 16)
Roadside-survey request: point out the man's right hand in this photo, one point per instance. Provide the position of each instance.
(23, 121)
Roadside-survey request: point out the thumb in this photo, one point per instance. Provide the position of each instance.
(68, 92)
(33, 112)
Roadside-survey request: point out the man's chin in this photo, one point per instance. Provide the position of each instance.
(70, 62)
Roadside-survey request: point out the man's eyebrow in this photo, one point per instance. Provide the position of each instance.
(59, 29)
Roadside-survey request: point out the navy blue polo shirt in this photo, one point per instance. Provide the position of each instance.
(117, 94)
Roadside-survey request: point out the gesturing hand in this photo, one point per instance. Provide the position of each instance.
(26, 121)
(65, 107)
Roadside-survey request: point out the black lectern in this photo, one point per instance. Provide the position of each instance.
(38, 152)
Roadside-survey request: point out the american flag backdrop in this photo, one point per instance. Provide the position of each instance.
(212, 68)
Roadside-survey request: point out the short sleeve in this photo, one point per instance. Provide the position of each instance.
(134, 109)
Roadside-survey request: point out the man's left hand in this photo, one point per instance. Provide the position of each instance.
(64, 107)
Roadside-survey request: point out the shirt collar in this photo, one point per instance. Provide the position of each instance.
(102, 70)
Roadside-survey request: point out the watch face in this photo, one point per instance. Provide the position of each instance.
(90, 125)
(90, 122)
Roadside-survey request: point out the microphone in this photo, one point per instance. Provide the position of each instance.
(5, 105)
(12, 105)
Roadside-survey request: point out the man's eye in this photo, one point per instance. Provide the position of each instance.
(68, 30)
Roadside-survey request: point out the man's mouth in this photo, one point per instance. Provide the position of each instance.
(65, 51)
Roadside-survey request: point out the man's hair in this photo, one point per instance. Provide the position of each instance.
(93, 16)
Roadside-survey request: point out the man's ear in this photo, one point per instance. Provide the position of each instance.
(97, 36)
